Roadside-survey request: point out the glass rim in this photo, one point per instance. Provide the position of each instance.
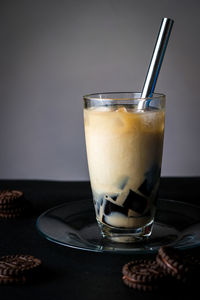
(95, 96)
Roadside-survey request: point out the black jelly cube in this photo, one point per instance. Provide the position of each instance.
(151, 178)
(111, 207)
(113, 196)
(135, 202)
(145, 188)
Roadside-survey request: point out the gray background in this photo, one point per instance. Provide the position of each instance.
(53, 52)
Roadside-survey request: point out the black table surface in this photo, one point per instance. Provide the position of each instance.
(71, 273)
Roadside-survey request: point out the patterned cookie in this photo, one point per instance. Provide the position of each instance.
(10, 196)
(143, 275)
(176, 262)
(12, 204)
(14, 265)
(9, 279)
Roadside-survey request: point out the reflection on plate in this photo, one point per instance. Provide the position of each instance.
(73, 224)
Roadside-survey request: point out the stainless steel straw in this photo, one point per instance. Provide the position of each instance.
(156, 60)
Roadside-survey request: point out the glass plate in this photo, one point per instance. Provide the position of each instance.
(73, 224)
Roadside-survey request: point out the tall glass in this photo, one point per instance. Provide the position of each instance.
(124, 142)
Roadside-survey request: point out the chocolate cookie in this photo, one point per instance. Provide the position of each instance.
(9, 279)
(143, 275)
(175, 262)
(12, 204)
(13, 215)
(10, 196)
(18, 265)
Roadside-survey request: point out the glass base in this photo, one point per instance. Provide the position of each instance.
(126, 235)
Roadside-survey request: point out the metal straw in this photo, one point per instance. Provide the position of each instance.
(156, 60)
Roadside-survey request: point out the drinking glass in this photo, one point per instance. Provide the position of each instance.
(124, 143)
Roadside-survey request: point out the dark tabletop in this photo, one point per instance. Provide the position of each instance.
(70, 273)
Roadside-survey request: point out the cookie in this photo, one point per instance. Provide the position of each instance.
(13, 209)
(12, 212)
(12, 215)
(8, 279)
(175, 262)
(18, 265)
(143, 275)
(10, 196)
(12, 204)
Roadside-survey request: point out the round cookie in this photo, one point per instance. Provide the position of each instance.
(9, 213)
(9, 279)
(14, 265)
(175, 263)
(12, 204)
(12, 209)
(143, 275)
(13, 215)
(10, 196)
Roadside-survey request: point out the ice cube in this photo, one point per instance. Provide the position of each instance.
(121, 109)
(102, 108)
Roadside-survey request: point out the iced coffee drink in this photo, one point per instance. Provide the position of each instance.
(124, 150)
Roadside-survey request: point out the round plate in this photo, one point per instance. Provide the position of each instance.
(73, 224)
